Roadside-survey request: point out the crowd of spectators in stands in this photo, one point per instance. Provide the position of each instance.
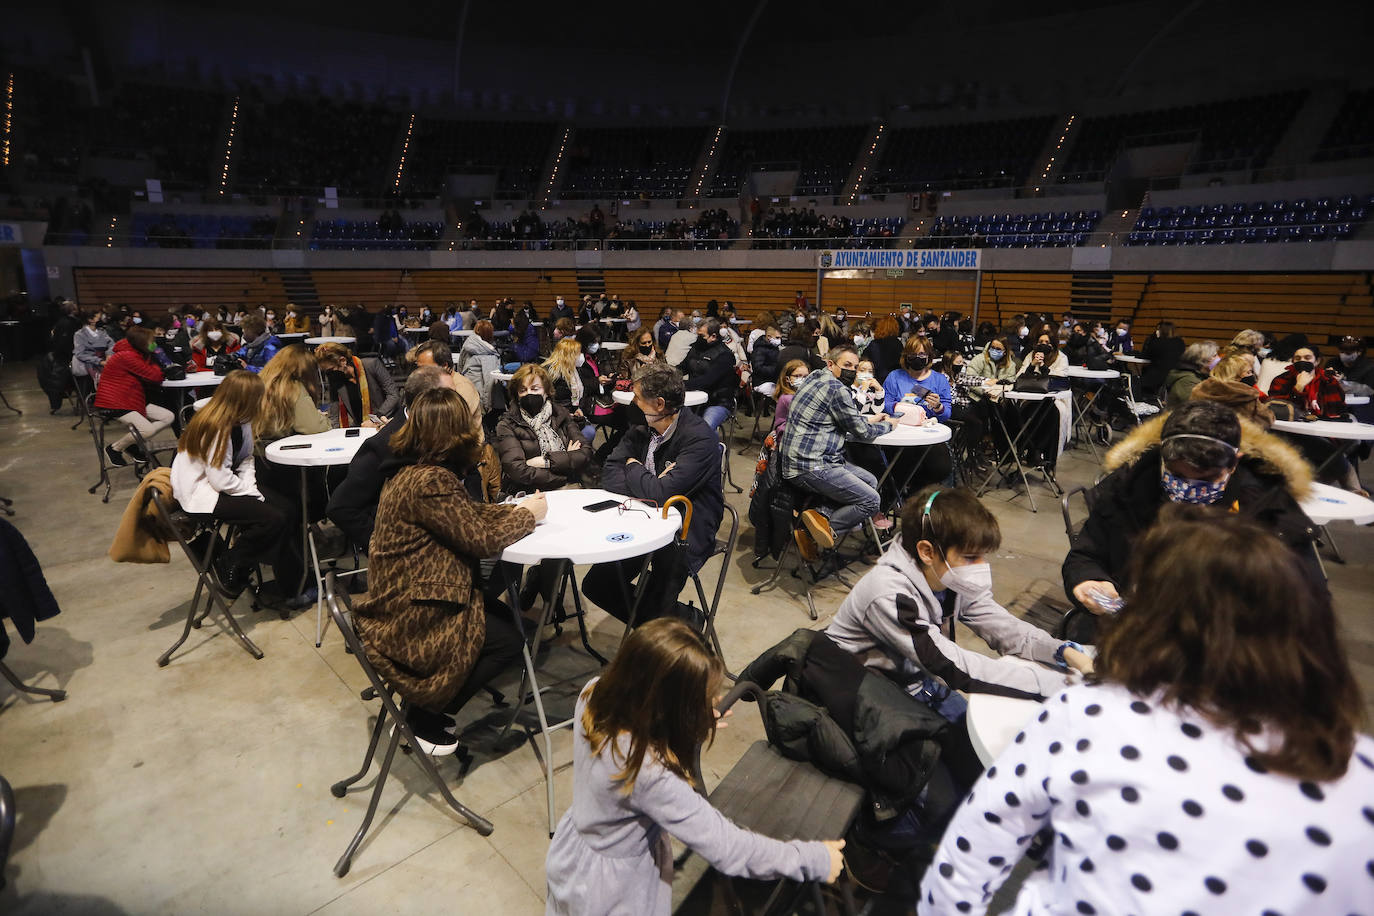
(712, 229)
(805, 228)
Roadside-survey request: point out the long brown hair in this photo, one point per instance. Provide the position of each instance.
(629, 359)
(785, 385)
(292, 366)
(237, 400)
(140, 337)
(1222, 617)
(438, 430)
(657, 692)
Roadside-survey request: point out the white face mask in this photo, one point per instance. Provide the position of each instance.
(1264, 351)
(138, 320)
(581, 360)
(271, 316)
(775, 341)
(1121, 332)
(864, 377)
(1023, 332)
(215, 335)
(968, 581)
(860, 341)
(171, 335)
(592, 348)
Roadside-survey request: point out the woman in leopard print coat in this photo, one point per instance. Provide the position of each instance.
(423, 623)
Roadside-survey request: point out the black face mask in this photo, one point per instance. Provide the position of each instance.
(531, 403)
(1249, 380)
(634, 415)
(1304, 365)
(646, 349)
(848, 375)
(917, 362)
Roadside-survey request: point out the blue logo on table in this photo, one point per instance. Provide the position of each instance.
(620, 537)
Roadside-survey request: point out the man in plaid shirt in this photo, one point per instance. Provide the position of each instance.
(821, 419)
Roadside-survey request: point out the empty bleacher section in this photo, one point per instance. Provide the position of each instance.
(1229, 135)
(307, 145)
(1049, 229)
(162, 288)
(180, 129)
(202, 230)
(1351, 135)
(627, 162)
(822, 157)
(983, 154)
(1321, 305)
(48, 129)
(1261, 221)
(512, 151)
(375, 235)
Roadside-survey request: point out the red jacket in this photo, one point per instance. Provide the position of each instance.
(122, 383)
(1323, 396)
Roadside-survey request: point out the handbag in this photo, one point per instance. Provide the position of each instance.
(224, 364)
(1032, 384)
(174, 373)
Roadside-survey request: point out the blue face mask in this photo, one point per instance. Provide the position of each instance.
(996, 354)
(1193, 492)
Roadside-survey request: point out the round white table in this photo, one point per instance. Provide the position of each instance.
(1327, 429)
(573, 536)
(994, 721)
(502, 376)
(908, 435)
(1135, 360)
(613, 320)
(536, 324)
(1356, 400)
(692, 399)
(613, 345)
(1064, 401)
(1329, 504)
(201, 403)
(205, 379)
(1103, 375)
(316, 341)
(741, 321)
(419, 332)
(293, 337)
(464, 333)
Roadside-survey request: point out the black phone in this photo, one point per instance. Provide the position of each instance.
(602, 506)
(287, 448)
(352, 433)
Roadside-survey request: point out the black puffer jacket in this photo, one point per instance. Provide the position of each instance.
(517, 442)
(847, 720)
(710, 368)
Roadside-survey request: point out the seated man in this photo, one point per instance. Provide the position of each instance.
(665, 452)
(710, 367)
(437, 353)
(353, 504)
(821, 417)
(362, 387)
(1204, 454)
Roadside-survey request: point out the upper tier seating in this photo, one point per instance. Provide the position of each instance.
(1232, 134)
(632, 162)
(48, 126)
(1302, 220)
(306, 146)
(1018, 230)
(793, 229)
(181, 130)
(374, 235)
(824, 156)
(1351, 134)
(514, 151)
(990, 153)
(201, 230)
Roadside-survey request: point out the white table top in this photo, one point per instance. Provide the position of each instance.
(609, 320)
(993, 722)
(741, 321)
(1327, 429)
(1035, 395)
(331, 447)
(692, 399)
(569, 532)
(293, 336)
(1356, 400)
(502, 376)
(1085, 372)
(202, 403)
(316, 341)
(926, 434)
(536, 324)
(1332, 504)
(206, 379)
(1123, 358)
(424, 330)
(464, 333)
(613, 345)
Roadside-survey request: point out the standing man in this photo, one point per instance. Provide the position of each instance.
(822, 417)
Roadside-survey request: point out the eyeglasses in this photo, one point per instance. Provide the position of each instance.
(629, 506)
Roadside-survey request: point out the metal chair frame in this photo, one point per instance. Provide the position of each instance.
(6, 826)
(97, 419)
(57, 696)
(400, 731)
(207, 580)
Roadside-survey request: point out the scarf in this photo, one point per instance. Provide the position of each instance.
(344, 419)
(542, 424)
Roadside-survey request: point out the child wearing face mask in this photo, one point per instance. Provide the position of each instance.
(899, 619)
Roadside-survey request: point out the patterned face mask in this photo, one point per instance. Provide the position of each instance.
(1193, 492)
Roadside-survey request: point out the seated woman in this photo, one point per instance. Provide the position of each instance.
(91, 347)
(526, 337)
(917, 384)
(639, 354)
(259, 343)
(363, 388)
(597, 385)
(1193, 366)
(129, 372)
(540, 444)
(1212, 764)
(1201, 453)
(424, 622)
(1037, 423)
(563, 368)
(214, 474)
(1314, 391)
(292, 396)
(211, 342)
(478, 359)
(793, 373)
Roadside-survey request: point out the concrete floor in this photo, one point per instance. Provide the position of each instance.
(204, 787)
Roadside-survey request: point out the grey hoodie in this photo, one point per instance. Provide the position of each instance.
(891, 621)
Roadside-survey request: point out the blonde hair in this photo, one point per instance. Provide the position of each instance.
(237, 400)
(1233, 368)
(562, 362)
(292, 368)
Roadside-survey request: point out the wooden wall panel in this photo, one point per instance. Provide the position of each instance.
(158, 289)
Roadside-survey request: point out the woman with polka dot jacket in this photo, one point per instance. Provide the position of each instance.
(1212, 764)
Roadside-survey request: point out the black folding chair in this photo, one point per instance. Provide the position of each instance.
(97, 418)
(6, 826)
(1072, 526)
(341, 614)
(783, 798)
(725, 549)
(183, 527)
(57, 696)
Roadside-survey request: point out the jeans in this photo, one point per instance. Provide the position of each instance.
(607, 584)
(152, 421)
(852, 490)
(511, 367)
(715, 416)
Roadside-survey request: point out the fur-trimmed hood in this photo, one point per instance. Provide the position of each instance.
(1273, 454)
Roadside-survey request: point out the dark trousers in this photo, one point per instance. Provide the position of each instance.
(267, 533)
(500, 652)
(607, 584)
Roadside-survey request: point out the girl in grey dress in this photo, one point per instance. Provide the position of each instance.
(636, 730)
